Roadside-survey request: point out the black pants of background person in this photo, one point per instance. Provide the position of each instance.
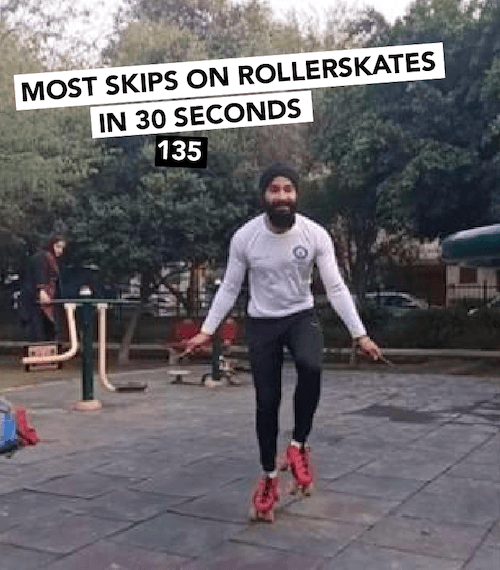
(301, 333)
(41, 328)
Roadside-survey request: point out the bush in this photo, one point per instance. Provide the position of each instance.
(443, 328)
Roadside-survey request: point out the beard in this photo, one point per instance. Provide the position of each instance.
(281, 218)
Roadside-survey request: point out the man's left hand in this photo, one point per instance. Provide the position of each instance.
(369, 348)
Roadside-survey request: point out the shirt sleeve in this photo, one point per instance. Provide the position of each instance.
(228, 291)
(336, 290)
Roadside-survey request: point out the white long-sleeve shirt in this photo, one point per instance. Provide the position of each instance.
(280, 272)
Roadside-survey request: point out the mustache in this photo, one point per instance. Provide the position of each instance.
(289, 203)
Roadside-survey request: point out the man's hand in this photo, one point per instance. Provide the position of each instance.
(44, 297)
(196, 341)
(369, 348)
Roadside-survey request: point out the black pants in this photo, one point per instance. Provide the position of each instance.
(301, 333)
(41, 328)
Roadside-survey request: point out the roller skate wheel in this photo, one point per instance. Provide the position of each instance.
(269, 517)
(257, 515)
(307, 490)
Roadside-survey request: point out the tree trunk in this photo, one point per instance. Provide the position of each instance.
(124, 352)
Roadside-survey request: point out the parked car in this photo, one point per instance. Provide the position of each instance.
(396, 302)
(493, 304)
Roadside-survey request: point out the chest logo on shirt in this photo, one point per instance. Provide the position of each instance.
(300, 252)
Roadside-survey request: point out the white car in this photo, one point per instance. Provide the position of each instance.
(396, 302)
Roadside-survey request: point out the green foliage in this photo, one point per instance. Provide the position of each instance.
(134, 219)
(451, 181)
(43, 155)
(443, 328)
(366, 155)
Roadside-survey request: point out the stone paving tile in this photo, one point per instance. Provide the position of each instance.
(475, 419)
(217, 466)
(40, 452)
(301, 535)
(126, 505)
(234, 556)
(62, 534)
(411, 463)
(399, 432)
(19, 506)
(84, 485)
(105, 555)
(461, 508)
(9, 484)
(43, 470)
(493, 538)
(15, 558)
(178, 534)
(367, 445)
(468, 469)
(488, 453)
(366, 557)
(388, 488)
(457, 437)
(341, 507)
(426, 537)
(333, 470)
(486, 558)
(484, 491)
(331, 463)
(129, 466)
(185, 482)
(232, 502)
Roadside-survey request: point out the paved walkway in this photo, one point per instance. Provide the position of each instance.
(408, 467)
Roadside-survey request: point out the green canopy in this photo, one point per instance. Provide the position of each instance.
(478, 247)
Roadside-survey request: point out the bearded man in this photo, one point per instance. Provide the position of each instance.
(279, 249)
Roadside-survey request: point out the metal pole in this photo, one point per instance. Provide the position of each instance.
(87, 313)
(216, 354)
(216, 344)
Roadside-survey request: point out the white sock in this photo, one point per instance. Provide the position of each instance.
(271, 474)
(296, 444)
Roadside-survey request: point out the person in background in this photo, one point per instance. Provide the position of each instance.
(41, 286)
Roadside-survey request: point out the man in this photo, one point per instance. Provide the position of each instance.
(279, 249)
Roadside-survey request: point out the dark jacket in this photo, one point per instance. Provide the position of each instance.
(42, 272)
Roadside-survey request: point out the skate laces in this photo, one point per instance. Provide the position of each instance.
(267, 487)
(301, 463)
(265, 490)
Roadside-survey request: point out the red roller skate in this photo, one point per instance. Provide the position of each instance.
(265, 498)
(298, 459)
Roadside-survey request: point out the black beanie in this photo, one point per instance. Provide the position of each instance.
(275, 169)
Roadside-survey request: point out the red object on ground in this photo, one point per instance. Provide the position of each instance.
(27, 433)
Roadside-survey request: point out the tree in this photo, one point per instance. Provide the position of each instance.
(364, 154)
(43, 155)
(134, 219)
(451, 182)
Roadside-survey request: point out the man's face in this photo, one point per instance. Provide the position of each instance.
(280, 202)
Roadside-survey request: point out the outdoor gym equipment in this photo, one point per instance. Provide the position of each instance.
(221, 366)
(87, 308)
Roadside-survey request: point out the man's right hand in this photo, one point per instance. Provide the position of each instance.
(197, 341)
